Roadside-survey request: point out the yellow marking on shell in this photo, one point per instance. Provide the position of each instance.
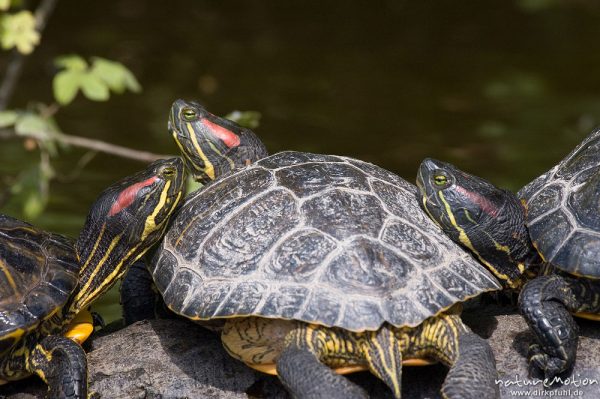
(209, 169)
(521, 267)
(9, 277)
(535, 245)
(464, 239)
(81, 327)
(271, 368)
(588, 316)
(15, 334)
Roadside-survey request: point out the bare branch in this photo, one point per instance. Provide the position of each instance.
(109, 148)
(91, 144)
(15, 66)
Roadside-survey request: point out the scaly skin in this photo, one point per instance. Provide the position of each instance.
(123, 223)
(547, 303)
(307, 354)
(492, 224)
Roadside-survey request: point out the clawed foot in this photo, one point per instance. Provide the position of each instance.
(97, 320)
(540, 363)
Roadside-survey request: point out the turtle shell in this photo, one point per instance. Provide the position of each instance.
(563, 210)
(322, 239)
(38, 272)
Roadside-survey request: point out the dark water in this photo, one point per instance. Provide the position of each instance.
(501, 88)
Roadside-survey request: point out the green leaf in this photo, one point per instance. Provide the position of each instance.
(18, 30)
(4, 5)
(34, 205)
(192, 185)
(249, 119)
(32, 125)
(71, 62)
(109, 72)
(27, 192)
(8, 118)
(94, 88)
(65, 85)
(131, 82)
(116, 76)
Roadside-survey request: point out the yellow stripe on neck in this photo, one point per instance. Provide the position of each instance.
(209, 169)
(93, 252)
(464, 239)
(150, 224)
(83, 294)
(219, 153)
(116, 273)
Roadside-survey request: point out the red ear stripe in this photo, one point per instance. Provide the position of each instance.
(228, 137)
(480, 200)
(128, 195)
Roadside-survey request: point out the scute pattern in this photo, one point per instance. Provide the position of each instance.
(38, 272)
(563, 208)
(317, 238)
(367, 267)
(362, 213)
(298, 256)
(249, 233)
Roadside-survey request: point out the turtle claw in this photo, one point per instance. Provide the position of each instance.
(98, 320)
(540, 363)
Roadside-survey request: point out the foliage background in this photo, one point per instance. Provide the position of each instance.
(501, 88)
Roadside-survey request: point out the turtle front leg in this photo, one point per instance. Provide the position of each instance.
(62, 364)
(300, 367)
(546, 303)
(138, 297)
(445, 338)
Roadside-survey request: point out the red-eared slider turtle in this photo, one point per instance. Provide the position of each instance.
(46, 280)
(558, 217)
(317, 262)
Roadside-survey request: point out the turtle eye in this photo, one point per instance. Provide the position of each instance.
(168, 172)
(440, 180)
(189, 114)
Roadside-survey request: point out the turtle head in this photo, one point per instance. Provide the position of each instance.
(474, 213)
(123, 223)
(212, 146)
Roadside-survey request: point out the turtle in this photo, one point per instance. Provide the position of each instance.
(47, 281)
(319, 265)
(544, 242)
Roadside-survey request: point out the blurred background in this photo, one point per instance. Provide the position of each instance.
(503, 89)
